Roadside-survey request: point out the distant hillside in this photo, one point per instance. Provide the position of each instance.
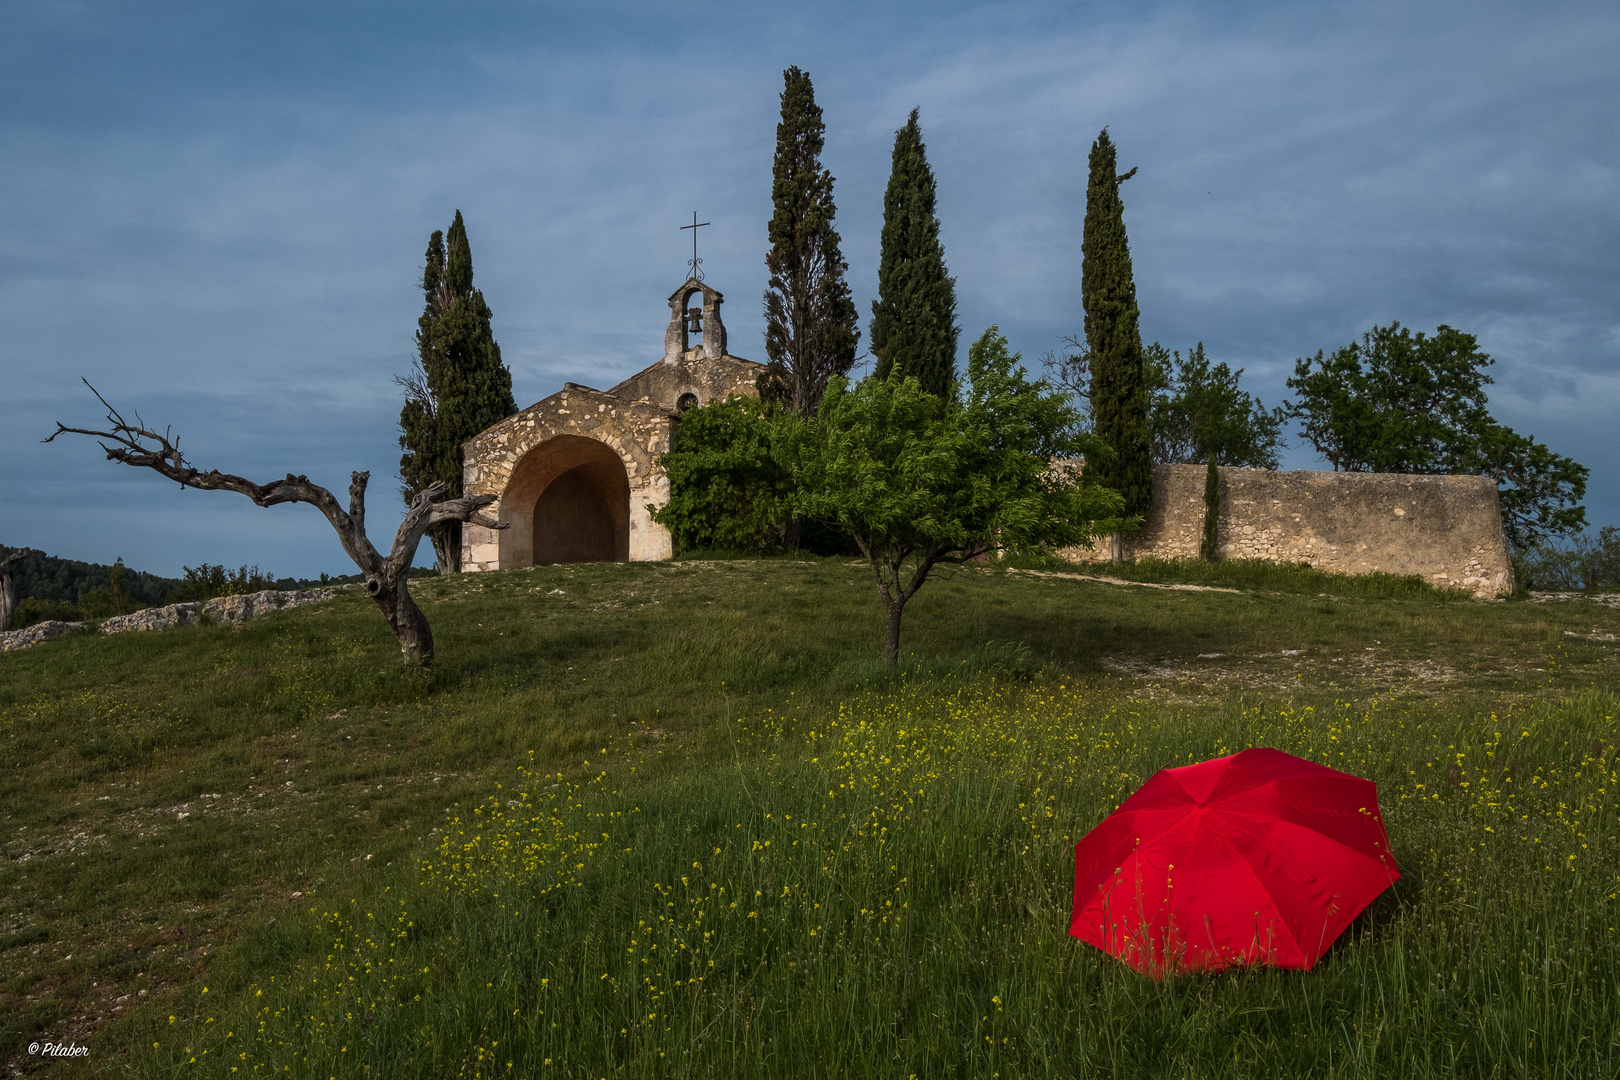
(53, 588)
(46, 577)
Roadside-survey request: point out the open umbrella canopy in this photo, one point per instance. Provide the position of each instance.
(1256, 858)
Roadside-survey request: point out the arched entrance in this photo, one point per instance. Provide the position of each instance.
(568, 501)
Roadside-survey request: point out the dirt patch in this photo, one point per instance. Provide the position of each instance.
(1169, 586)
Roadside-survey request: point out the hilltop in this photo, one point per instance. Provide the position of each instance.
(188, 808)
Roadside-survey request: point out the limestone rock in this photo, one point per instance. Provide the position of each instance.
(157, 618)
(39, 632)
(238, 609)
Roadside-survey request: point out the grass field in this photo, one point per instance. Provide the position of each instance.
(676, 820)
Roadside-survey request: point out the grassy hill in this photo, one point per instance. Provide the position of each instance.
(675, 819)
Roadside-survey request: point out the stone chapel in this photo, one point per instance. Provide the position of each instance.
(575, 472)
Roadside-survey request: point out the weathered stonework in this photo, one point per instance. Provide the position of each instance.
(592, 455)
(1445, 529)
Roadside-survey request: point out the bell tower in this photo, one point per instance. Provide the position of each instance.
(685, 322)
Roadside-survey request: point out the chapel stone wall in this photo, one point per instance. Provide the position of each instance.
(1445, 529)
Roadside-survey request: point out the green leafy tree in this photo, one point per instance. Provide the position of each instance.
(810, 333)
(1113, 338)
(1196, 409)
(212, 579)
(728, 488)
(118, 587)
(458, 387)
(914, 331)
(918, 481)
(1401, 402)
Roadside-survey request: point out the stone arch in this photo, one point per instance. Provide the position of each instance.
(568, 500)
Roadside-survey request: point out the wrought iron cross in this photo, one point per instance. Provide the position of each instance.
(696, 264)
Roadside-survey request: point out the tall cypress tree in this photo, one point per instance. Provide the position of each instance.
(459, 386)
(810, 333)
(1108, 292)
(914, 317)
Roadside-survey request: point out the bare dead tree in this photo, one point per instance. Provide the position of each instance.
(386, 579)
(8, 588)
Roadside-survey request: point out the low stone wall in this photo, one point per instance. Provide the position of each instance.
(218, 611)
(1445, 529)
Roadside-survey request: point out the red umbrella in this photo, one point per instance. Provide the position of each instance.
(1256, 858)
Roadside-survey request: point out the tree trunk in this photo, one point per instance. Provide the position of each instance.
(410, 626)
(891, 643)
(446, 541)
(8, 597)
(1116, 548)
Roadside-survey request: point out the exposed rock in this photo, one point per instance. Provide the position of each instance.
(221, 609)
(157, 618)
(236, 609)
(33, 635)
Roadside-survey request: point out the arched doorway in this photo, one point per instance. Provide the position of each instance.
(568, 501)
(573, 521)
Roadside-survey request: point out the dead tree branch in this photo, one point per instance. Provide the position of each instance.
(386, 578)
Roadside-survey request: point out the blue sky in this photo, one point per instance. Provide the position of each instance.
(217, 212)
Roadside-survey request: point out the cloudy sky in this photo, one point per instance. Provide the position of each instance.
(217, 212)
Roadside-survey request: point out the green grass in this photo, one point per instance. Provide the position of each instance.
(1261, 574)
(686, 710)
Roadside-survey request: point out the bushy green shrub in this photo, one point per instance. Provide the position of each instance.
(32, 610)
(727, 488)
(208, 581)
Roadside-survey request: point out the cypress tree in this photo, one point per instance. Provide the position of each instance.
(810, 333)
(459, 386)
(914, 327)
(1108, 292)
(1210, 549)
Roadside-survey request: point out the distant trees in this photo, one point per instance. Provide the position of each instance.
(1583, 562)
(1194, 407)
(810, 332)
(918, 481)
(914, 331)
(46, 587)
(214, 579)
(1414, 403)
(458, 385)
(1113, 338)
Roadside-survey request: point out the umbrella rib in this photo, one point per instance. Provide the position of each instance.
(1258, 880)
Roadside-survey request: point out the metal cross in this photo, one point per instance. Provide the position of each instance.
(696, 264)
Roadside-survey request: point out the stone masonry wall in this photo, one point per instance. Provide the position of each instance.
(1445, 529)
(635, 432)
